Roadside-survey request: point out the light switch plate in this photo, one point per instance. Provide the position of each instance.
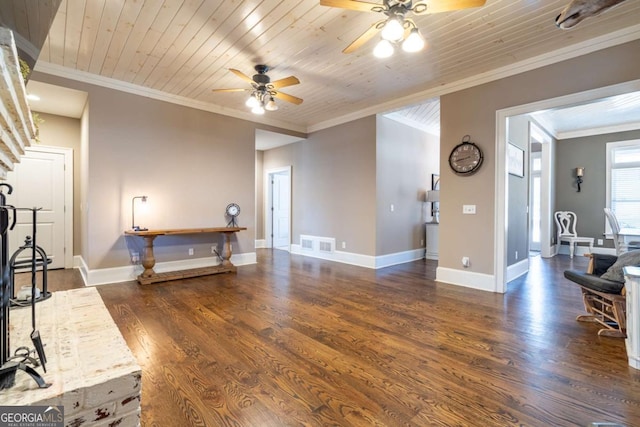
(469, 209)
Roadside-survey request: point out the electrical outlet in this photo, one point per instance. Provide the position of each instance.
(465, 261)
(214, 249)
(135, 257)
(422, 242)
(344, 245)
(600, 242)
(516, 254)
(190, 251)
(391, 207)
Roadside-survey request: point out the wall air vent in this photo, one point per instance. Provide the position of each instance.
(317, 245)
(306, 243)
(327, 245)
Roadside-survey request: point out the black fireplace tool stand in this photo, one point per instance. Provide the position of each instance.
(22, 358)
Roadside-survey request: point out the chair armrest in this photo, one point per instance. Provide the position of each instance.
(602, 262)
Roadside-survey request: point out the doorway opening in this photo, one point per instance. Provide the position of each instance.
(277, 211)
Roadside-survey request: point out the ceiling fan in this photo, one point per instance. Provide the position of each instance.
(263, 90)
(396, 27)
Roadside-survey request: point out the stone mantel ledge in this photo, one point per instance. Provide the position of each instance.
(92, 371)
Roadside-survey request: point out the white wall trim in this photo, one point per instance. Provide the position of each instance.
(599, 131)
(468, 279)
(588, 46)
(399, 258)
(360, 260)
(412, 123)
(582, 250)
(367, 261)
(518, 269)
(104, 276)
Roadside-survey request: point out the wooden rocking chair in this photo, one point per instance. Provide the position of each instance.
(604, 300)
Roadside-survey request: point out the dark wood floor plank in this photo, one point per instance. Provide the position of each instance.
(300, 341)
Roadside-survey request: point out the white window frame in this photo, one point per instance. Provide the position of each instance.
(610, 147)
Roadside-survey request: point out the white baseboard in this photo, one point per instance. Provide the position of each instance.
(128, 273)
(605, 251)
(518, 269)
(261, 243)
(360, 260)
(581, 250)
(337, 256)
(399, 258)
(468, 279)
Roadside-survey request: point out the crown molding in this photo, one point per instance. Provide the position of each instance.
(397, 117)
(598, 43)
(599, 131)
(94, 79)
(588, 46)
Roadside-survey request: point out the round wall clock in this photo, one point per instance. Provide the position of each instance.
(466, 157)
(233, 210)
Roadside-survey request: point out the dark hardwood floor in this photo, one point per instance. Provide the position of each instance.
(301, 341)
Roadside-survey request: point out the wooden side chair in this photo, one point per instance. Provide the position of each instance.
(566, 223)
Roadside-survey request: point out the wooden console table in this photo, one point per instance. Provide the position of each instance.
(149, 276)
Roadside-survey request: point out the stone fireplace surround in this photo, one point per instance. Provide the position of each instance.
(92, 372)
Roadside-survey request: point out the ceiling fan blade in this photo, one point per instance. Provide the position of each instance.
(229, 90)
(437, 6)
(365, 37)
(289, 81)
(288, 98)
(242, 75)
(361, 6)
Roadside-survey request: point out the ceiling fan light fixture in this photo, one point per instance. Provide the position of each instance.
(252, 102)
(393, 30)
(259, 110)
(383, 49)
(271, 105)
(413, 43)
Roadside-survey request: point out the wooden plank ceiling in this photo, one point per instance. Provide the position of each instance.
(185, 48)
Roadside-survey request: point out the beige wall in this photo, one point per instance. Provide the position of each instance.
(345, 178)
(58, 131)
(259, 195)
(193, 163)
(189, 162)
(405, 159)
(333, 184)
(473, 111)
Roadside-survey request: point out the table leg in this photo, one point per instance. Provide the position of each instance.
(148, 259)
(226, 253)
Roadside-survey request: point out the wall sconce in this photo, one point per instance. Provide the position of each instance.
(579, 175)
(433, 197)
(134, 227)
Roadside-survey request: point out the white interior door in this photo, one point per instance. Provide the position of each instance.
(38, 181)
(281, 184)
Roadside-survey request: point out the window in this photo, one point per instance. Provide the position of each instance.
(623, 175)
